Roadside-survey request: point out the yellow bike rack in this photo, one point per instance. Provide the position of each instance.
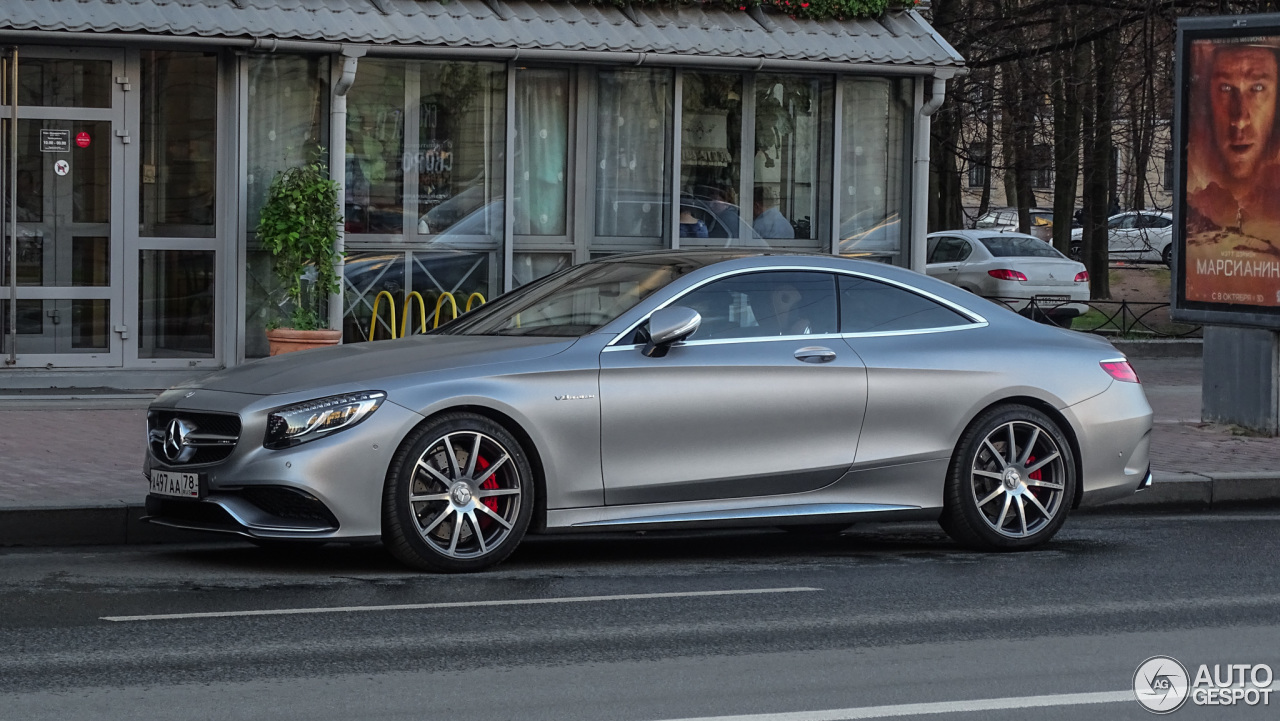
(440, 304)
(422, 311)
(391, 308)
(408, 310)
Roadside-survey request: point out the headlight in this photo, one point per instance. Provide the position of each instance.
(302, 422)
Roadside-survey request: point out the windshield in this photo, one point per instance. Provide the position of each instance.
(1012, 246)
(573, 302)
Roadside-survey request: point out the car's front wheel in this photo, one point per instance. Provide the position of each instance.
(1011, 481)
(1166, 256)
(458, 496)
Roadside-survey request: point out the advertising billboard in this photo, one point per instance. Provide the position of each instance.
(1227, 214)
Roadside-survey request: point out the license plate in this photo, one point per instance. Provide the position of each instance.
(178, 485)
(1053, 299)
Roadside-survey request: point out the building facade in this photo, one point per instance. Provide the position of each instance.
(479, 145)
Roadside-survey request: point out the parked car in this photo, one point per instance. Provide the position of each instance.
(1007, 219)
(1135, 236)
(657, 391)
(1020, 271)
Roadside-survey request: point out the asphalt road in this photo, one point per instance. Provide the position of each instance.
(766, 625)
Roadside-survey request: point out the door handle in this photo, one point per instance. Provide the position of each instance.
(815, 354)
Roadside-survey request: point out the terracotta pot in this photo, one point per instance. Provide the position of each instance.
(286, 340)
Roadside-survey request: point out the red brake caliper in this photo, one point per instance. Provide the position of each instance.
(1034, 475)
(490, 484)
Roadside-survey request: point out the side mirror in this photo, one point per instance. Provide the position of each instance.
(668, 326)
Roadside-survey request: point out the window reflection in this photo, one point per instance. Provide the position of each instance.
(179, 143)
(541, 151)
(710, 158)
(873, 163)
(461, 139)
(288, 119)
(791, 116)
(632, 193)
(175, 303)
(375, 148)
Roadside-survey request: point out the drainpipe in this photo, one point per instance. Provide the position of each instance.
(350, 55)
(920, 173)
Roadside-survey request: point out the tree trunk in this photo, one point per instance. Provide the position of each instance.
(1100, 171)
(1066, 141)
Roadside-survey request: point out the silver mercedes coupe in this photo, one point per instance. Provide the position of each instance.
(657, 391)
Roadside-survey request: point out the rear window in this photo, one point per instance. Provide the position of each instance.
(1012, 246)
(868, 306)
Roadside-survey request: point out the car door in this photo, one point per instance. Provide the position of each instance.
(763, 399)
(1157, 231)
(947, 257)
(1123, 234)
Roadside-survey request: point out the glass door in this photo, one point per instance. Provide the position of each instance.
(62, 272)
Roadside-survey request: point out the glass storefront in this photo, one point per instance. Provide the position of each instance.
(462, 180)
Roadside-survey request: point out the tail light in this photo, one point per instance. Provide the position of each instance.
(1006, 274)
(1120, 370)
(1082, 276)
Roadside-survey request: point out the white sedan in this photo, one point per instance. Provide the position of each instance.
(1019, 271)
(1135, 235)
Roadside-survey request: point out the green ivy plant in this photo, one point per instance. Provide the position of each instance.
(299, 225)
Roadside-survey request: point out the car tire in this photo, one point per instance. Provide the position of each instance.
(1166, 256)
(1011, 481)
(1075, 252)
(459, 495)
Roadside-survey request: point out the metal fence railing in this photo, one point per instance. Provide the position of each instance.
(1106, 317)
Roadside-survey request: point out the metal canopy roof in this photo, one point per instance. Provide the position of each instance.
(897, 38)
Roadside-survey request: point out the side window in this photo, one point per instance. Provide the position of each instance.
(1129, 221)
(950, 250)
(1158, 221)
(772, 303)
(868, 306)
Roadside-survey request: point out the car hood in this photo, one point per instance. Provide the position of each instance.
(363, 363)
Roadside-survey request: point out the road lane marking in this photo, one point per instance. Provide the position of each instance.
(459, 604)
(939, 707)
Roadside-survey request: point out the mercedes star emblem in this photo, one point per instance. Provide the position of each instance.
(176, 449)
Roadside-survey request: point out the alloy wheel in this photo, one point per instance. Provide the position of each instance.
(1018, 479)
(465, 494)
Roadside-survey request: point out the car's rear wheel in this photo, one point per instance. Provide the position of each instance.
(1011, 481)
(459, 495)
(1075, 251)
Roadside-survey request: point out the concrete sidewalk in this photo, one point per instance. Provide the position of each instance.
(71, 472)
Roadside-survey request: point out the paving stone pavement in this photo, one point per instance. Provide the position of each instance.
(75, 457)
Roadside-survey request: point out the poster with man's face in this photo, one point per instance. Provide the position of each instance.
(1232, 217)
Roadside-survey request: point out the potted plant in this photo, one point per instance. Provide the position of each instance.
(299, 225)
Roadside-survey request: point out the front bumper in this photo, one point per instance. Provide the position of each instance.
(327, 489)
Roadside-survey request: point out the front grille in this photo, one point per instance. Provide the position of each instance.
(288, 503)
(212, 438)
